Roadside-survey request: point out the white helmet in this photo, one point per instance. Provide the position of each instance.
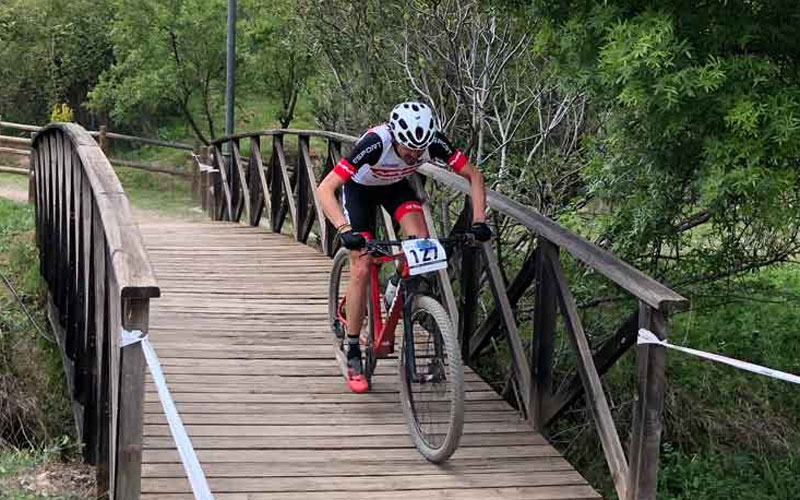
(412, 125)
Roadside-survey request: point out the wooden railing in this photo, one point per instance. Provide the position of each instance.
(21, 146)
(239, 186)
(99, 283)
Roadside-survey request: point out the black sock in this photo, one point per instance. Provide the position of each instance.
(353, 347)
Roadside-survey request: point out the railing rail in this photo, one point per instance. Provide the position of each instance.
(102, 136)
(99, 283)
(277, 189)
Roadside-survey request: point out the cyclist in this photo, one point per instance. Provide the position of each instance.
(374, 173)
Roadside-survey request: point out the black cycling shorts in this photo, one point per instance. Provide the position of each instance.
(361, 202)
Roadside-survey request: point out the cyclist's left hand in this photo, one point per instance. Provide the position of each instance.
(481, 231)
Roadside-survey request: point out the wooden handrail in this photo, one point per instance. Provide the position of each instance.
(626, 276)
(108, 135)
(16, 141)
(99, 283)
(322, 134)
(128, 255)
(15, 151)
(13, 170)
(19, 126)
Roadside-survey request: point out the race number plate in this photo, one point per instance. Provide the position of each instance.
(424, 255)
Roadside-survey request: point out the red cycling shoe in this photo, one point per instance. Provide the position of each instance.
(356, 380)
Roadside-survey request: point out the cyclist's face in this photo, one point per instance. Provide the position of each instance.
(408, 155)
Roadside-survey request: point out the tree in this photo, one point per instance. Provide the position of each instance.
(698, 110)
(51, 52)
(168, 54)
(280, 55)
(357, 85)
(476, 66)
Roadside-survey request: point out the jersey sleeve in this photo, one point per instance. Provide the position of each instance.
(367, 151)
(441, 149)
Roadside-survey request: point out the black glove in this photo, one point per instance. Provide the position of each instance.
(481, 231)
(352, 240)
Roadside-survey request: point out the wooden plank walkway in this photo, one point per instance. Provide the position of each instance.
(242, 335)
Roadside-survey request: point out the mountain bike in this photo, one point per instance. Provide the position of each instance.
(430, 366)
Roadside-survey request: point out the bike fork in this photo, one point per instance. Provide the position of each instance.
(408, 339)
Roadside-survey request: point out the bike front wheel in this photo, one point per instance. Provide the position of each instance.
(432, 380)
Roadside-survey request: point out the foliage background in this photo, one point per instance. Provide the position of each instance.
(666, 132)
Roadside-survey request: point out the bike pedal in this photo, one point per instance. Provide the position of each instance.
(338, 331)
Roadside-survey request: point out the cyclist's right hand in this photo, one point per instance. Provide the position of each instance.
(352, 240)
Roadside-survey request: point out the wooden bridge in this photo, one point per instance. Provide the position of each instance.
(237, 314)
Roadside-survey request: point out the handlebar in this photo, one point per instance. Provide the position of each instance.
(383, 247)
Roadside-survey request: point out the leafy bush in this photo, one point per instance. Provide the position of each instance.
(34, 409)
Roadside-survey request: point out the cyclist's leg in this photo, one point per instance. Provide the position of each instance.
(359, 209)
(406, 209)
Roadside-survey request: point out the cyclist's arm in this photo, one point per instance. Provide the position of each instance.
(475, 178)
(367, 151)
(327, 197)
(442, 150)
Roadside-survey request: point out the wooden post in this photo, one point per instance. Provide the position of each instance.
(333, 157)
(205, 182)
(470, 288)
(194, 173)
(32, 174)
(301, 192)
(544, 324)
(646, 428)
(282, 192)
(470, 283)
(102, 139)
(260, 180)
(595, 397)
(516, 289)
(101, 322)
(226, 204)
(131, 403)
(308, 198)
(254, 183)
(518, 357)
(239, 188)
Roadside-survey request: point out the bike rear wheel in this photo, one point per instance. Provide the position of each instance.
(432, 380)
(337, 289)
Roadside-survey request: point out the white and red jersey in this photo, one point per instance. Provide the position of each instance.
(373, 161)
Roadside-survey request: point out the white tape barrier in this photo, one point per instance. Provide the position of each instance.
(648, 337)
(197, 478)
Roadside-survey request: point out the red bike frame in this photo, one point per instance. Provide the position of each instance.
(383, 333)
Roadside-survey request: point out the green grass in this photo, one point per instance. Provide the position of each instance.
(35, 420)
(728, 433)
(16, 464)
(36, 411)
(167, 195)
(712, 474)
(14, 180)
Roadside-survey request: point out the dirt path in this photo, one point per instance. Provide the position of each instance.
(14, 194)
(49, 480)
(20, 195)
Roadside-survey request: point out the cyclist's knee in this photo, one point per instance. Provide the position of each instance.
(413, 224)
